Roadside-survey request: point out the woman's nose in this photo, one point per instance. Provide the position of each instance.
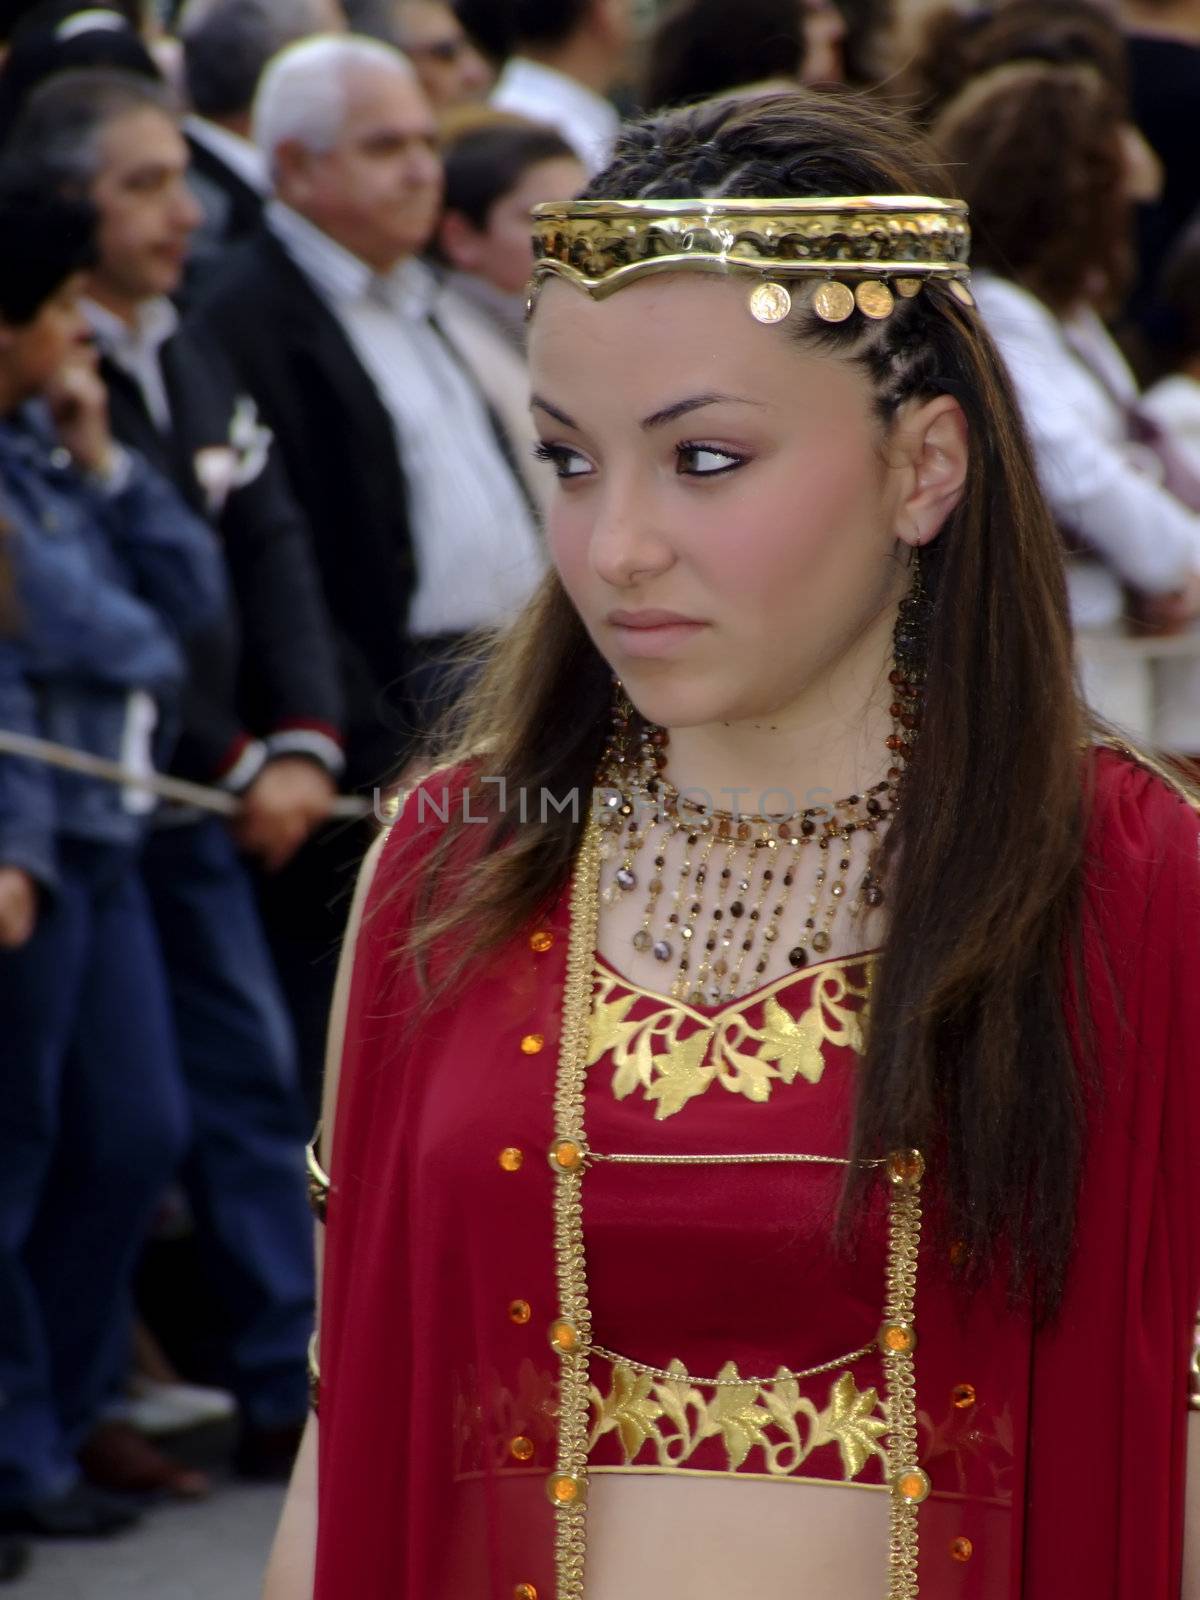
(627, 542)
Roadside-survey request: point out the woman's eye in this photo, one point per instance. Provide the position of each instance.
(705, 461)
(566, 463)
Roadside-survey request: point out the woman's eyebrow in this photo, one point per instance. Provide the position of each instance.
(681, 408)
(538, 404)
(657, 419)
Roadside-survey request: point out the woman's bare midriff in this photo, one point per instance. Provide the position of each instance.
(684, 1536)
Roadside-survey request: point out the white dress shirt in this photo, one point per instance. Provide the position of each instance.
(585, 119)
(136, 347)
(478, 556)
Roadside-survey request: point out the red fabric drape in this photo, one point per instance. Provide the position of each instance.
(1066, 1475)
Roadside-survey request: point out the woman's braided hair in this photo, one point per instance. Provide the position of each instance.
(765, 148)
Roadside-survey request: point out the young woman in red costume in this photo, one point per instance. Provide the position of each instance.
(765, 1081)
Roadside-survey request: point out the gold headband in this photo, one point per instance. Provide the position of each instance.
(601, 245)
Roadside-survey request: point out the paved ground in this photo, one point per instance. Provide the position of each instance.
(215, 1550)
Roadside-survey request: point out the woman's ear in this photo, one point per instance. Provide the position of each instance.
(934, 450)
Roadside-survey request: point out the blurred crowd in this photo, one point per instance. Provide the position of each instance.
(266, 471)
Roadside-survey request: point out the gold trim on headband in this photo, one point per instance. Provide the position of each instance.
(601, 245)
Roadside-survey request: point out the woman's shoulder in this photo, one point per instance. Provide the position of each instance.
(1138, 802)
(1143, 845)
(418, 815)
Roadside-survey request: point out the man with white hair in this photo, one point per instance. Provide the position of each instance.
(420, 523)
(226, 46)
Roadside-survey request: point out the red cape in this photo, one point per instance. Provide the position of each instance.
(1066, 1476)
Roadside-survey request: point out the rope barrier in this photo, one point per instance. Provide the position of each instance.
(178, 790)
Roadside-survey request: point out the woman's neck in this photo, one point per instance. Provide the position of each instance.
(826, 743)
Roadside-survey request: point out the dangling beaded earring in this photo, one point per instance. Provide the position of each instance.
(910, 654)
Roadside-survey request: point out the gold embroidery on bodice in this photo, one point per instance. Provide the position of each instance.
(675, 1052)
(674, 1418)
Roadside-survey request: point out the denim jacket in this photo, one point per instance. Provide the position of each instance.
(108, 582)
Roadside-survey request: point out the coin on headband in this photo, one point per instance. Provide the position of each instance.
(875, 299)
(769, 302)
(960, 292)
(908, 287)
(833, 302)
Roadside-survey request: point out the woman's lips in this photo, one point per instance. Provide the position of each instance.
(652, 633)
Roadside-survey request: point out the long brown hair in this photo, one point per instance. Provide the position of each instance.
(969, 1054)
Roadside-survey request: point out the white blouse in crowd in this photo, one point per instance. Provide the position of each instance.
(1075, 391)
(478, 554)
(1077, 394)
(585, 119)
(1174, 404)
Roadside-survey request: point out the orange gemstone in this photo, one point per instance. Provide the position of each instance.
(564, 1490)
(963, 1396)
(906, 1167)
(897, 1338)
(524, 1591)
(521, 1448)
(566, 1155)
(564, 1337)
(912, 1485)
(958, 1252)
(541, 941)
(961, 1549)
(532, 1043)
(520, 1312)
(511, 1158)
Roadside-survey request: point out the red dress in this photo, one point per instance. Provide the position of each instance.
(1056, 1456)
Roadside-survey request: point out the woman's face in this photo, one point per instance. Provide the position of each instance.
(713, 471)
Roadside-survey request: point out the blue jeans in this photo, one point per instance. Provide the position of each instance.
(245, 1171)
(93, 1125)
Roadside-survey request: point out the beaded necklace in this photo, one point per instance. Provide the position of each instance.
(720, 941)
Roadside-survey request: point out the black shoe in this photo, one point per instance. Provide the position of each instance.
(267, 1455)
(14, 1559)
(81, 1513)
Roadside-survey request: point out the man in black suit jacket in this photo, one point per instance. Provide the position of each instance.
(262, 719)
(226, 45)
(421, 526)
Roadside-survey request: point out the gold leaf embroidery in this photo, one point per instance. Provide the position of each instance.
(680, 1075)
(738, 1413)
(848, 1422)
(674, 1053)
(796, 1046)
(673, 1417)
(629, 1409)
